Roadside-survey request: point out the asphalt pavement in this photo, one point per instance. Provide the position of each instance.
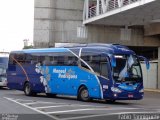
(14, 105)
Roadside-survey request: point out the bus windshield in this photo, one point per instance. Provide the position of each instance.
(2, 70)
(4, 61)
(127, 68)
(3, 65)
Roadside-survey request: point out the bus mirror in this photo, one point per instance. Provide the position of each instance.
(146, 61)
(147, 65)
(113, 61)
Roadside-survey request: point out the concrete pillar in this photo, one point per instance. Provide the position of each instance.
(159, 68)
(97, 8)
(86, 9)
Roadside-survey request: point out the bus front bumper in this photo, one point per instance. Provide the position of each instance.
(126, 96)
(3, 83)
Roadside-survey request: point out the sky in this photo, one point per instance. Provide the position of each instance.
(16, 23)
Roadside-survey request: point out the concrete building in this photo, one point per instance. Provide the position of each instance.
(56, 21)
(135, 23)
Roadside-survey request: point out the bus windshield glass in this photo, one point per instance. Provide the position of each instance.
(127, 68)
(3, 65)
(4, 60)
(2, 70)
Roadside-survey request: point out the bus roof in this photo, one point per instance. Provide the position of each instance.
(101, 48)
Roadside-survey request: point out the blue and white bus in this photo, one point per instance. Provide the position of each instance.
(92, 71)
(3, 67)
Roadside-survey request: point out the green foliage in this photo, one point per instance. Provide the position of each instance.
(28, 47)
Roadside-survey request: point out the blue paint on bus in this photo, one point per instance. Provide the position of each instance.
(65, 70)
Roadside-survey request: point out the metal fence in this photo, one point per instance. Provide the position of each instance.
(105, 7)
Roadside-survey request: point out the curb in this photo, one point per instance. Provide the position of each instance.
(152, 90)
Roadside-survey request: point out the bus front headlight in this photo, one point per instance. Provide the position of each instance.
(116, 90)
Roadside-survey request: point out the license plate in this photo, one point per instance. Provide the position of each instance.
(130, 96)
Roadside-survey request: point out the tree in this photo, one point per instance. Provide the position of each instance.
(26, 46)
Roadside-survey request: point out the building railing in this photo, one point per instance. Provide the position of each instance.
(105, 6)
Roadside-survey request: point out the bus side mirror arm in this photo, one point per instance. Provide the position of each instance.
(141, 58)
(112, 60)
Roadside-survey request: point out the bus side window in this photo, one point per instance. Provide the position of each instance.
(86, 59)
(92, 59)
(95, 63)
(53, 61)
(66, 61)
(104, 67)
(47, 61)
(98, 63)
(21, 58)
(11, 60)
(72, 61)
(41, 59)
(60, 60)
(34, 59)
(12, 63)
(28, 58)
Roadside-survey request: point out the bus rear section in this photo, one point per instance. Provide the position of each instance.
(21, 70)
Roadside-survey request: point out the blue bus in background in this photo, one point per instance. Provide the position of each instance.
(3, 67)
(92, 71)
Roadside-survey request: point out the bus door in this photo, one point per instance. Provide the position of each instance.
(105, 75)
(100, 71)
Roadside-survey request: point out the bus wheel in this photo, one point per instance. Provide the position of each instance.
(50, 95)
(83, 94)
(27, 89)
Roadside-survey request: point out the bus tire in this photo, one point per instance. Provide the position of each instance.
(28, 90)
(50, 95)
(83, 94)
